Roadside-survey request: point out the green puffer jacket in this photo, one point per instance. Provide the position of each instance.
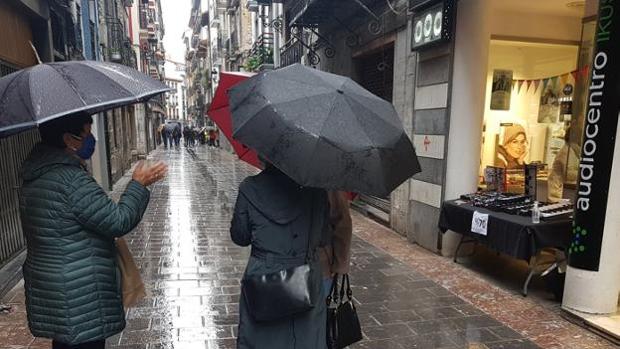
(71, 277)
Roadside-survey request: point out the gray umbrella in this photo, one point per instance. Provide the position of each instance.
(44, 92)
(323, 130)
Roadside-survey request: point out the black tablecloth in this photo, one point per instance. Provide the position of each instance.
(514, 235)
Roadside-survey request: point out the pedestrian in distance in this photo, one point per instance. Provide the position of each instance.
(192, 136)
(71, 279)
(166, 137)
(176, 135)
(186, 136)
(212, 138)
(286, 225)
(160, 133)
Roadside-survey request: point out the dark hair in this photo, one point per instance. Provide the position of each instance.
(52, 132)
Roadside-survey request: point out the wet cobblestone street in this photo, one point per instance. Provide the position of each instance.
(192, 272)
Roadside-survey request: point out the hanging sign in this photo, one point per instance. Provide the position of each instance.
(599, 140)
(433, 23)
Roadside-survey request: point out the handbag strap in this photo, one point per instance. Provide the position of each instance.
(332, 297)
(349, 293)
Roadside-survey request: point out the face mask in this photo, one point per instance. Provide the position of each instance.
(88, 147)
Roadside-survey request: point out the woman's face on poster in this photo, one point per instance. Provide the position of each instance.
(517, 147)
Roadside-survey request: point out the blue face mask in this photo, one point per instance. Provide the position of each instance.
(88, 147)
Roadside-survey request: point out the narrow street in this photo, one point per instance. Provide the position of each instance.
(407, 297)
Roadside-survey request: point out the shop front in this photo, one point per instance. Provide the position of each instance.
(523, 86)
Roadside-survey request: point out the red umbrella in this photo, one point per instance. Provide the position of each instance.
(219, 112)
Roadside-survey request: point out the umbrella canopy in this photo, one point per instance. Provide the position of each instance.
(323, 130)
(219, 112)
(44, 92)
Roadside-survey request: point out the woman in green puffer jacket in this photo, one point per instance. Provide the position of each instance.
(71, 278)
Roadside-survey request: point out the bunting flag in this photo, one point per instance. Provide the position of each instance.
(554, 80)
(564, 80)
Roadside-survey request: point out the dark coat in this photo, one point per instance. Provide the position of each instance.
(273, 214)
(71, 278)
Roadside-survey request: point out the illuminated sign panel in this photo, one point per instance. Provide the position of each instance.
(432, 24)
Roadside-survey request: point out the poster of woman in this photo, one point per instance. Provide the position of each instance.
(550, 102)
(512, 148)
(501, 89)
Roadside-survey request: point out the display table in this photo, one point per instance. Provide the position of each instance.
(513, 235)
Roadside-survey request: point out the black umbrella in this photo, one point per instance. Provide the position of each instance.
(323, 130)
(44, 92)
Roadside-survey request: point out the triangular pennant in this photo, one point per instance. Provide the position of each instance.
(519, 85)
(563, 80)
(514, 84)
(575, 74)
(545, 83)
(554, 80)
(536, 85)
(529, 83)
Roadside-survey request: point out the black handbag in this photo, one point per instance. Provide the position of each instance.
(343, 325)
(286, 292)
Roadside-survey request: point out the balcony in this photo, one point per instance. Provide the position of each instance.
(291, 52)
(261, 54)
(203, 47)
(308, 12)
(195, 41)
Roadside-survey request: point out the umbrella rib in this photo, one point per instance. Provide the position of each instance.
(373, 146)
(68, 82)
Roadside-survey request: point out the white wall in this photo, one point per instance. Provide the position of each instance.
(467, 103)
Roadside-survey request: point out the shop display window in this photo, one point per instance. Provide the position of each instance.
(534, 114)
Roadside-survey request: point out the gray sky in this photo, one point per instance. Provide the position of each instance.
(176, 16)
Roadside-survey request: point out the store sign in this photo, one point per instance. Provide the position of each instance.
(599, 140)
(432, 23)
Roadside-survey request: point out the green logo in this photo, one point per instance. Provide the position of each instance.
(577, 245)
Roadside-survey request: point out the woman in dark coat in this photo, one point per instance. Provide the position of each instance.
(71, 277)
(275, 216)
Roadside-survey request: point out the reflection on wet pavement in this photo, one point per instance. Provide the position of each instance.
(192, 273)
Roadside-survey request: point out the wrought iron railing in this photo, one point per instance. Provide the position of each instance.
(263, 48)
(13, 152)
(291, 52)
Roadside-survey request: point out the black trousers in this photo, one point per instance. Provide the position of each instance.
(89, 345)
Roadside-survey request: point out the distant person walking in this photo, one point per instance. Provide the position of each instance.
(176, 135)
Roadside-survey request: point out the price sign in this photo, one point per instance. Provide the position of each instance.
(479, 223)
